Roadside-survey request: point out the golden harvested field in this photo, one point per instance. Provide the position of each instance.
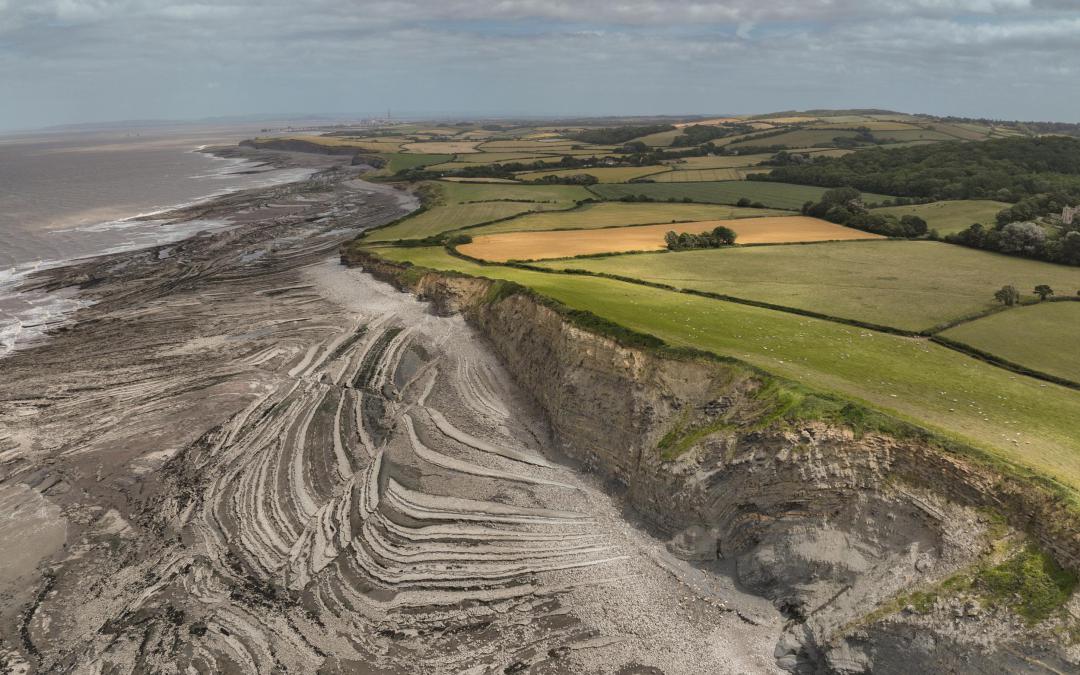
(612, 174)
(545, 245)
(442, 147)
(792, 119)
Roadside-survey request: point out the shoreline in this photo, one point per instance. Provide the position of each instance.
(28, 313)
(235, 423)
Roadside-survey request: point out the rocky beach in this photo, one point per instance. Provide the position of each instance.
(242, 456)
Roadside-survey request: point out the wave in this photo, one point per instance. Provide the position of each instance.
(26, 316)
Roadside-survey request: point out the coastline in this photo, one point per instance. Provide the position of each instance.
(82, 431)
(232, 454)
(28, 313)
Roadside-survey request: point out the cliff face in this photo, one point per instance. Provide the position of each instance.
(826, 524)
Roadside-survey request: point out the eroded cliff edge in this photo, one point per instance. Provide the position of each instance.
(888, 549)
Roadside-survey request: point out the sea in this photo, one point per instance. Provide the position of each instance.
(68, 195)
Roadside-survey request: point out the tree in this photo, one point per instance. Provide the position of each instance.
(672, 240)
(1007, 295)
(1070, 248)
(845, 196)
(725, 236)
(914, 226)
(1022, 238)
(1043, 291)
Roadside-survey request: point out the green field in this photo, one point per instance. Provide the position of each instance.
(915, 135)
(403, 160)
(799, 138)
(719, 161)
(1016, 418)
(615, 214)
(614, 174)
(773, 195)
(706, 175)
(952, 216)
(1042, 337)
(465, 204)
(477, 159)
(662, 139)
(912, 285)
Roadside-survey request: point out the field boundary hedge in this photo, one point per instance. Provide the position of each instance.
(948, 343)
(1000, 362)
(898, 427)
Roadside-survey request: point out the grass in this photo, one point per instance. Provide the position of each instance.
(911, 285)
(442, 147)
(613, 174)
(661, 139)
(799, 138)
(705, 175)
(540, 245)
(1040, 337)
(472, 161)
(1012, 573)
(719, 161)
(499, 157)
(773, 195)
(399, 161)
(950, 216)
(463, 204)
(615, 214)
(1016, 419)
(1029, 582)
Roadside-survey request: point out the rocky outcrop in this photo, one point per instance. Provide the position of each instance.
(360, 156)
(826, 523)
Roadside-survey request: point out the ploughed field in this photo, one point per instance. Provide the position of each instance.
(1016, 419)
(539, 245)
(910, 285)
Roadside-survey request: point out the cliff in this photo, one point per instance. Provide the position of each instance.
(835, 521)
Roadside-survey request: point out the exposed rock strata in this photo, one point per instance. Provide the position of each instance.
(248, 459)
(825, 524)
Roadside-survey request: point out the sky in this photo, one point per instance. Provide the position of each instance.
(79, 61)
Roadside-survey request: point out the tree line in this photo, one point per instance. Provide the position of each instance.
(715, 238)
(844, 206)
(1007, 169)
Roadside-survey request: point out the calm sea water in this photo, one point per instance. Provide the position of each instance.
(69, 196)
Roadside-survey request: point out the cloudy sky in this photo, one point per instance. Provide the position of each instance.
(67, 61)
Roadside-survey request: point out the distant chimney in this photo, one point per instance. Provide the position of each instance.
(1069, 213)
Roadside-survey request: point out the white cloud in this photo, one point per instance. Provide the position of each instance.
(538, 55)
